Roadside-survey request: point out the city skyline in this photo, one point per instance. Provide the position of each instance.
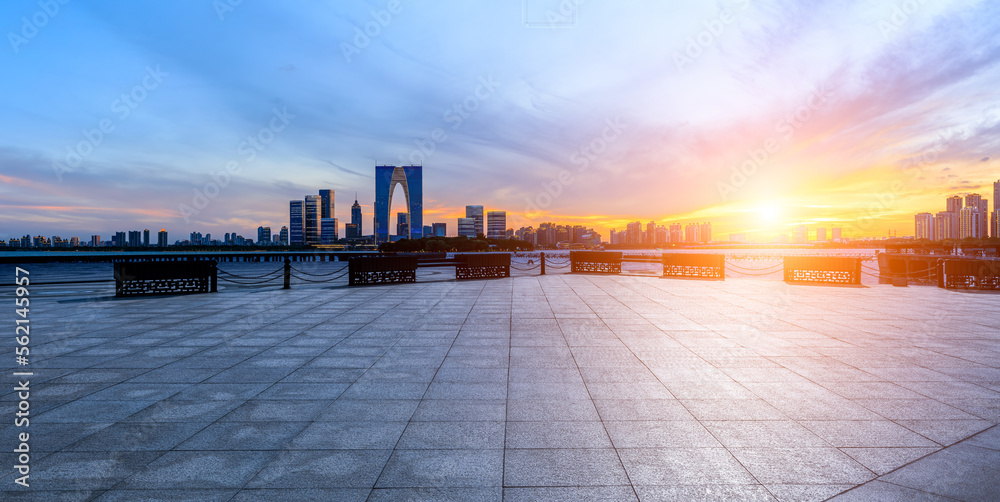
(754, 115)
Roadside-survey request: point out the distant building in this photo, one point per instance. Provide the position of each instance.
(496, 225)
(311, 220)
(95, 241)
(326, 204)
(676, 233)
(283, 236)
(119, 239)
(263, 235)
(821, 234)
(145, 238)
(352, 231)
(356, 216)
(467, 227)
(836, 235)
(970, 222)
(402, 225)
(410, 179)
(75, 241)
(296, 223)
(945, 225)
(428, 231)
(953, 204)
(134, 239)
(705, 229)
(692, 232)
(328, 230)
(801, 234)
(439, 229)
(476, 213)
(924, 226)
(161, 238)
(995, 220)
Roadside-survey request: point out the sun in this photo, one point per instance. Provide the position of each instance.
(770, 215)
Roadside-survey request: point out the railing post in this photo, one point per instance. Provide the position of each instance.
(543, 262)
(288, 274)
(214, 277)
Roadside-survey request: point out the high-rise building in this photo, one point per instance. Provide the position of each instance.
(283, 236)
(145, 238)
(161, 238)
(970, 222)
(476, 213)
(410, 178)
(996, 210)
(820, 234)
(310, 225)
(467, 228)
(692, 232)
(945, 225)
(924, 226)
(119, 239)
(801, 234)
(496, 225)
(428, 231)
(134, 239)
(836, 234)
(296, 223)
(984, 215)
(439, 229)
(263, 235)
(328, 230)
(356, 217)
(402, 225)
(351, 231)
(326, 204)
(705, 231)
(95, 241)
(676, 233)
(953, 204)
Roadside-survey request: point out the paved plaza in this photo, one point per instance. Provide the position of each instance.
(559, 387)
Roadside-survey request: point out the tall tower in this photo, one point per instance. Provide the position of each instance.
(296, 223)
(326, 204)
(311, 220)
(356, 213)
(410, 178)
(995, 220)
(476, 213)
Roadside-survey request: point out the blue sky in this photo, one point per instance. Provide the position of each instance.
(618, 111)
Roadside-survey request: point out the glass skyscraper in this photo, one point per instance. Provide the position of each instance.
(476, 213)
(326, 204)
(410, 178)
(328, 230)
(467, 228)
(356, 216)
(296, 237)
(496, 225)
(311, 220)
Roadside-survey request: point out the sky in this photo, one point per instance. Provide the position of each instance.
(757, 116)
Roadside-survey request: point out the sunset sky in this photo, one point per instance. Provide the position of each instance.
(754, 115)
